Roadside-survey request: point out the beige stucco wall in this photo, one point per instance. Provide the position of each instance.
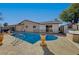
(42, 28)
(74, 27)
(28, 26)
(19, 27)
(55, 28)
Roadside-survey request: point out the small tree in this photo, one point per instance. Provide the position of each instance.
(71, 14)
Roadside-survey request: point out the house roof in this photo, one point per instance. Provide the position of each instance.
(28, 21)
(47, 22)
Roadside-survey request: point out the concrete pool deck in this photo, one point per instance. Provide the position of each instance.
(15, 46)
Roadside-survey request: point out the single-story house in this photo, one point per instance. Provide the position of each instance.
(30, 26)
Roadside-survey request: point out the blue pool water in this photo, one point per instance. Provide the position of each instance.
(32, 37)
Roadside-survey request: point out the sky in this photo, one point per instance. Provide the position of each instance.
(13, 13)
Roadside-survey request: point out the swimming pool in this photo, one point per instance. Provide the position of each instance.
(32, 37)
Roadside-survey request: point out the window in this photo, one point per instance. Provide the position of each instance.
(34, 26)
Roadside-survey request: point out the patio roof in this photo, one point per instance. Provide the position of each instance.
(52, 22)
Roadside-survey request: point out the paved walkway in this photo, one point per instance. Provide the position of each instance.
(15, 46)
